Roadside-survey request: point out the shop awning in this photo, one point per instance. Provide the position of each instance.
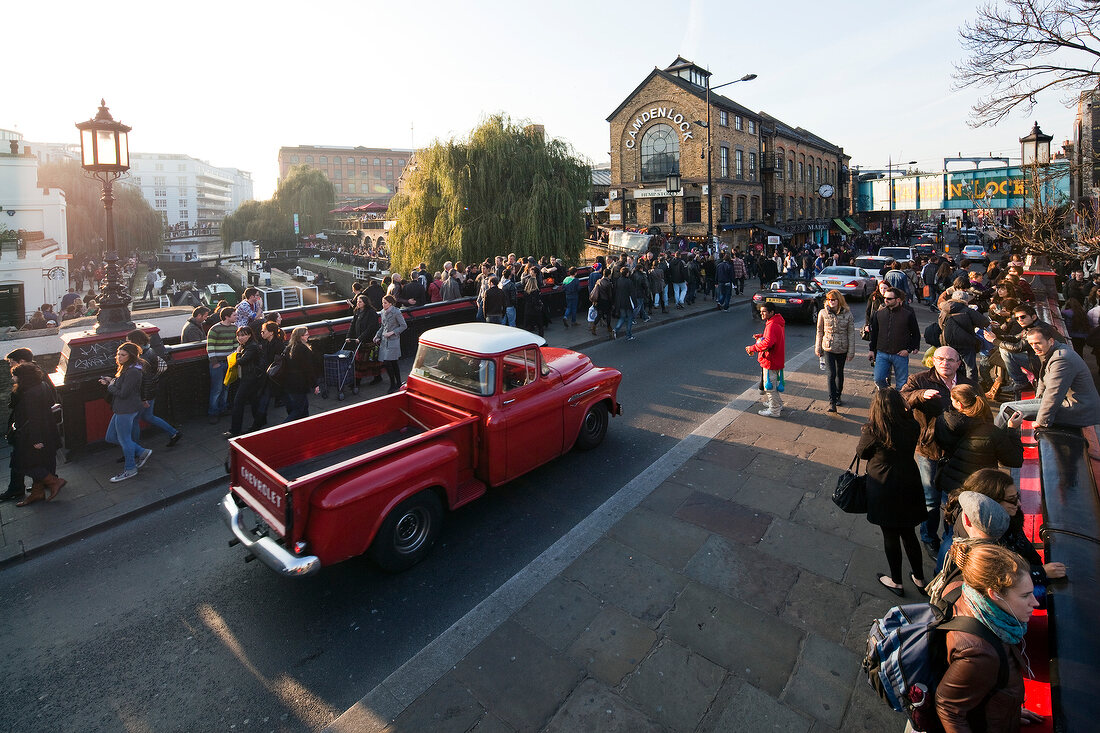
(738, 225)
(853, 224)
(774, 230)
(842, 226)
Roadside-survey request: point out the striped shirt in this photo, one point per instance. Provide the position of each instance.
(221, 341)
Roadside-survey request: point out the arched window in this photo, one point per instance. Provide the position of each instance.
(660, 152)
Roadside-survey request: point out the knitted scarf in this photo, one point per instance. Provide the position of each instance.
(1007, 627)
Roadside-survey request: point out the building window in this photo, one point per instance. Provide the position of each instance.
(724, 211)
(182, 204)
(401, 163)
(160, 192)
(181, 167)
(158, 167)
(630, 211)
(723, 162)
(660, 152)
(723, 118)
(738, 123)
(351, 188)
(821, 207)
(389, 161)
(752, 166)
(752, 127)
(364, 161)
(181, 181)
(160, 181)
(378, 161)
(739, 164)
(309, 159)
(778, 207)
(337, 187)
(801, 207)
(336, 174)
(801, 172)
(790, 209)
(740, 208)
(161, 203)
(755, 211)
(790, 169)
(693, 210)
(184, 216)
(324, 158)
(660, 206)
(779, 164)
(293, 159)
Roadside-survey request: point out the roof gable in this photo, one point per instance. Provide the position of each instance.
(699, 92)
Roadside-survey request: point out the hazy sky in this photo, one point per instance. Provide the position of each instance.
(230, 82)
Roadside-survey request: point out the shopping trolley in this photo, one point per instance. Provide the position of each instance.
(340, 370)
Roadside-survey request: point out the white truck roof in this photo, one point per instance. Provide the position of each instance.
(482, 338)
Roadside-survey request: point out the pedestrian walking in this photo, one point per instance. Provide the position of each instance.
(894, 335)
(33, 434)
(769, 348)
(835, 342)
(895, 499)
(221, 340)
(151, 364)
(124, 394)
(572, 287)
(624, 304)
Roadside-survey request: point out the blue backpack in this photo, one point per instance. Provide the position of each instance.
(907, 656)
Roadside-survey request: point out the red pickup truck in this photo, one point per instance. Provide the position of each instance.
(483, 404)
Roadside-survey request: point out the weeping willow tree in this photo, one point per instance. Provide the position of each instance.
(503, 189)
(305, 191)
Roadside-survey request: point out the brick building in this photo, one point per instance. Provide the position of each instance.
(359, 173)
(662, 126)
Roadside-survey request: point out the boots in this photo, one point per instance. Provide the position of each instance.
(53, 484)
(592, 328)
(997, 384)
(38, 493)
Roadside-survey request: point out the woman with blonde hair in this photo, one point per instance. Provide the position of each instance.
(983, 687)
(300, 374)
(836, 342)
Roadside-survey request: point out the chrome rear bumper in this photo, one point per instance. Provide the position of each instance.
(268, 550)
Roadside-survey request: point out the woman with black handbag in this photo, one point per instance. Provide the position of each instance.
(895, 497)
(272, 346)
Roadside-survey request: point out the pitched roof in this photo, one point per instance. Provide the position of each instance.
(700, 92)
(798, 134)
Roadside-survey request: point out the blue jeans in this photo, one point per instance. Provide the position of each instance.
(120, 432)
(724, 293)
(1015, 363)
(219, 393)
(626, 317)
(570, 310)
(929, 528)
(510, 315)
(297, 405)
(639, 310)
(679, 290)
(883, 363)
(146, 414)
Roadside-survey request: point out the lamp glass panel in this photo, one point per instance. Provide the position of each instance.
(87, 147)
(123, 150)
(105, 148)
(1043, 152)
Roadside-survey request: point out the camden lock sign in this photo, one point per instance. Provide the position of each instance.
(658, 113)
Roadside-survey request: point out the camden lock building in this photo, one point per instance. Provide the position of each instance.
(768, 179)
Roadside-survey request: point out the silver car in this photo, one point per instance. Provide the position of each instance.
(854, 282)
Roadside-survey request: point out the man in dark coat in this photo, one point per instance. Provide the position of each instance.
(928, 395)
(894, 336)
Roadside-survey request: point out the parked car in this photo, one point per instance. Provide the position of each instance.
(923, 250)
(876, 266)
(792, 298)
(896, 253)
(854, 282)
(483, 405)
(974, 253)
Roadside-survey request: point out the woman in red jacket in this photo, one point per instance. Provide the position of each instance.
(769, 350)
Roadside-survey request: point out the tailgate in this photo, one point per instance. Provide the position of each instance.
(260, 488)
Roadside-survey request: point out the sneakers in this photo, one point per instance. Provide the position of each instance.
(832, 407)
(124, 475)
(629, 338)
(175, 439)
(141, 459)
(769, 412)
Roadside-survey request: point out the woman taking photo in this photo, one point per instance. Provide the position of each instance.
(974, 694)
(836, 342)
(388, 339)
(895, 496)
(34, 430)
(300, 374)
(249, 384)
(124, 390)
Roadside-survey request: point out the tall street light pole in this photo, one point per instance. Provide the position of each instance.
(105, 154)
(707, 153)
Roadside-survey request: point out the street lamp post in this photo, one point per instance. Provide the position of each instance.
(710, 180)
(672, 185)
(105, 154)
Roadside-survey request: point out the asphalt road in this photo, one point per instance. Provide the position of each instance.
(157, 625)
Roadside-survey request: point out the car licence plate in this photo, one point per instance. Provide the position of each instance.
(833, 282)
(774, 300)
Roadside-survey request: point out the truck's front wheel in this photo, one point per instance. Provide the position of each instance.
(594, 427)
(408, 532)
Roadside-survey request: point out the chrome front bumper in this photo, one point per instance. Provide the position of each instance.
(268, 550)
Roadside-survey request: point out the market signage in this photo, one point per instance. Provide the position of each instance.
(655, 193)
(658, 113)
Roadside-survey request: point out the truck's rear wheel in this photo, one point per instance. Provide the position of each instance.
(594, 427)
(408, 532)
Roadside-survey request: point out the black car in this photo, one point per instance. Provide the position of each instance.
(792, 299)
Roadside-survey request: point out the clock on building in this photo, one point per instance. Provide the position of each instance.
(825, 191)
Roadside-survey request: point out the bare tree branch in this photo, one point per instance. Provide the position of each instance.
(1021, 48)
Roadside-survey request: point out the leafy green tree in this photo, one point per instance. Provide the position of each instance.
(503, 189)
(138, 227)
(305, 191)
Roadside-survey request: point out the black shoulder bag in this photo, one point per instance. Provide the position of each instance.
(851, 490)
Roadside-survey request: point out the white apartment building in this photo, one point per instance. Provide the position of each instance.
(188, 192)
(34, 266)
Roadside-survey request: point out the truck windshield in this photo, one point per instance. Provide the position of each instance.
(468, 373)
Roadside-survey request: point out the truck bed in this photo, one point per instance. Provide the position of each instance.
(295, 471)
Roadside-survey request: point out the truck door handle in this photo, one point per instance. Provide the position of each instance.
(508, 402)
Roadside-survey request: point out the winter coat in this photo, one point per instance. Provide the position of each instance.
(451, 289)
(724, 272)
(299, 374)
(389, 347)
(249, 359)
(364, 324)
(926, 411)
(966, 700)
(677, 271)
(657, 280)
(1067, 390)
(836, 332)
(895, 497)
(894, 330)
(34, 422)
(770, 348)
(125, 391)
(970, 444)
(958, 321)
(192, 331)
(624, 291)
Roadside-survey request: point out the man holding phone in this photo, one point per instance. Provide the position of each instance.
(1064, 391)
